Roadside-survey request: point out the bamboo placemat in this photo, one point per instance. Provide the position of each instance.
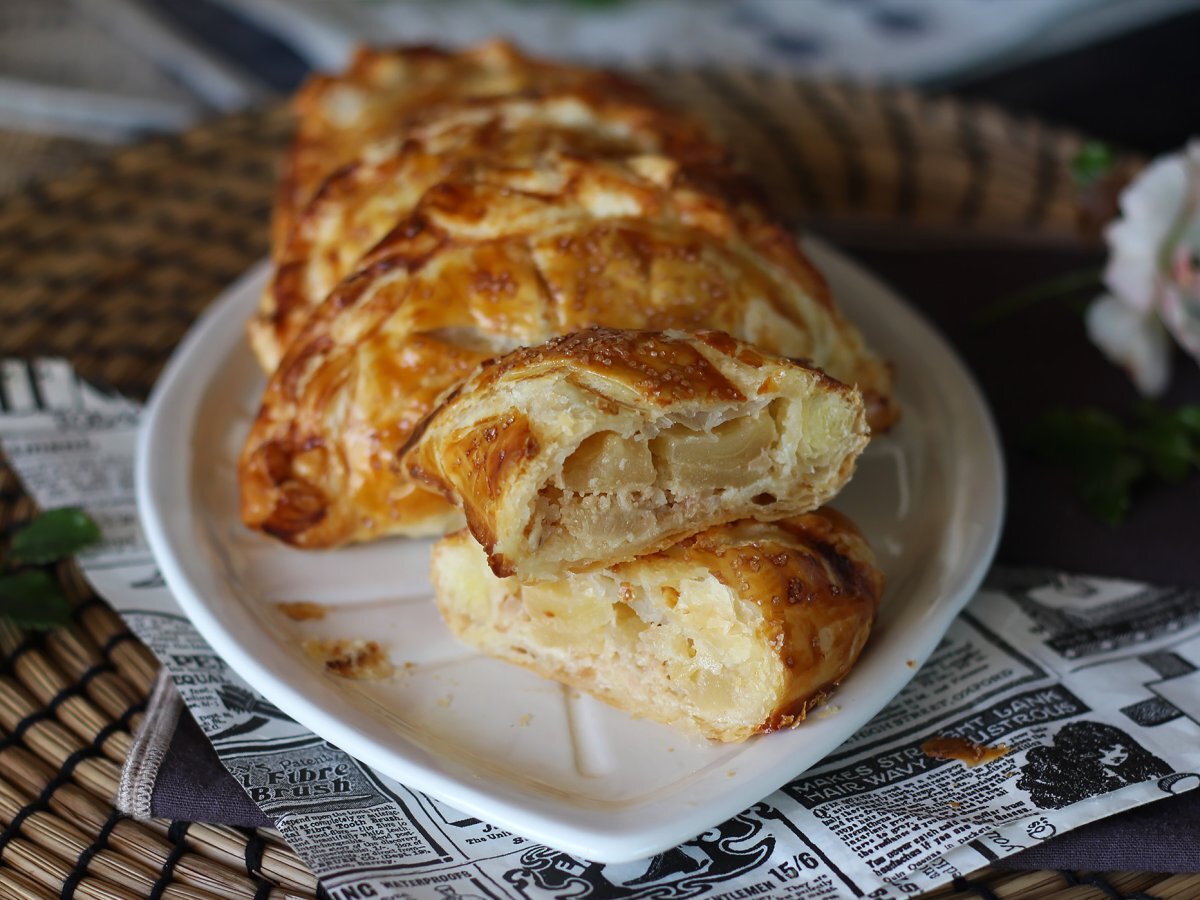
(108, 267)
(25, 156)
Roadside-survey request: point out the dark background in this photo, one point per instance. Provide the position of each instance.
(1138, 91)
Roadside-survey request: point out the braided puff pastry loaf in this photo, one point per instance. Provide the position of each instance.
(605, 445)
(501, 257)
(360, 202)
(737, 630)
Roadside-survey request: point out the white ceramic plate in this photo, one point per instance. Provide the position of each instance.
(494, 740)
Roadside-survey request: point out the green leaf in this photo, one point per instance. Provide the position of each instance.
(1107, 491)
(1109, 459)
(1166, 443)
(53, 535)
(34, 599)
(1189, 417)
(1093, 161)
(1074, 437)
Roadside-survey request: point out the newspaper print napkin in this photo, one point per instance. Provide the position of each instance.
(173, 772)
(1092, 684)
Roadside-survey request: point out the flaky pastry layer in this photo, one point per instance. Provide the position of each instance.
(736, 631)
(605, 445)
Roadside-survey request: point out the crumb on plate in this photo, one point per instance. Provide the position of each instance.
(351, 658)
(303, 610)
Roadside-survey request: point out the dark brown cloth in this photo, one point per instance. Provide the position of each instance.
(192, 785)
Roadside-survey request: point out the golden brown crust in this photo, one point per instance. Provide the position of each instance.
(504, 445)
(499, 257)
(338, 115)
(795, 601)
(359, 202)
(551, 199)
(661, 369)
(819, 573)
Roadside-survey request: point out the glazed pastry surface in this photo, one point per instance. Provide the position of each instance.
(359, 202)
(438, 209)
(337, 115)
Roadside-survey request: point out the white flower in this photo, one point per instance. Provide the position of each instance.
(1153, 272)
(1136, 342)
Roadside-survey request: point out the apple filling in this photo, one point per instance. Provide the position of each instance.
(613, 488)
(691, 650)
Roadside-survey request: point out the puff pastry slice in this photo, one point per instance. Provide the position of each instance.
(605, 445)
(735, 631)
